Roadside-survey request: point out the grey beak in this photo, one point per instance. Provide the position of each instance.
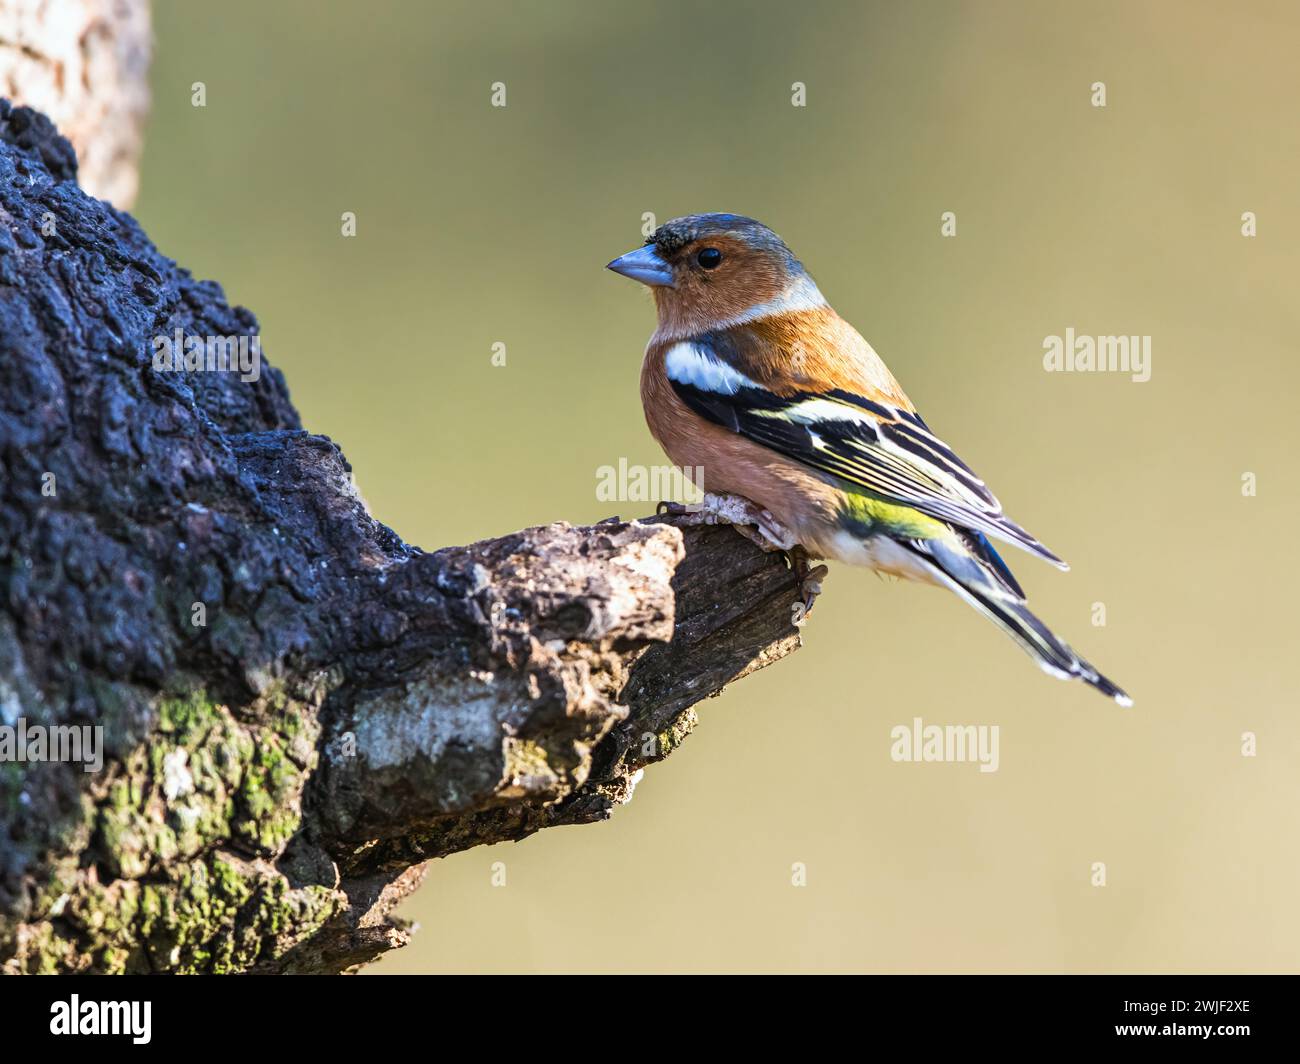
(644, 265)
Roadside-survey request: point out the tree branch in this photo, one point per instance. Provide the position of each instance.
(297, 708)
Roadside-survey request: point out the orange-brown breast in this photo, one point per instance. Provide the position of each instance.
(798, 498)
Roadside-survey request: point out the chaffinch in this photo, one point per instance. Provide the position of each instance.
(799, 428)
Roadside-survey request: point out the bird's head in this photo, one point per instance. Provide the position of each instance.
(710, 270)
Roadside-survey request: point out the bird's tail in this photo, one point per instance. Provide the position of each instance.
(975, 572)
(1053, 655)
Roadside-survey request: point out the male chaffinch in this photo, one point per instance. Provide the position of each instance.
(754, 379)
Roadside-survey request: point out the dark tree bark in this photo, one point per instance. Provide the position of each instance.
(298, 709)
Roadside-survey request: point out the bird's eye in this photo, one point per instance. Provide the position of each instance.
(709, 258)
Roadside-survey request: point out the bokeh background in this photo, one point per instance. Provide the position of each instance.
(479, 225)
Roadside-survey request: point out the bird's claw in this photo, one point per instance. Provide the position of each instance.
(760, 527)
(753, 522)
(810, 576)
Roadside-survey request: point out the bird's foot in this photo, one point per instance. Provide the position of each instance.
(810, 576)
(749, 519)
(761, 528)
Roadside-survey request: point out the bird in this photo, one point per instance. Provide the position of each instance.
(800, 430)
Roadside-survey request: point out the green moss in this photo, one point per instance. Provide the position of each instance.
(675, 734)
(524, 757)
(185, 920)
(226, 914)
(92, 930)
(189, 717)
(46, 953)
(165, 893)
(268, 810)
(204, 778)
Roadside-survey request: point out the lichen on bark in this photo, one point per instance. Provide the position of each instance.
(156, 887)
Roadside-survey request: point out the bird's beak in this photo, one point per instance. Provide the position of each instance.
(644, 265)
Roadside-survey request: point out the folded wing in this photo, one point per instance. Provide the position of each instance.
(876, 446)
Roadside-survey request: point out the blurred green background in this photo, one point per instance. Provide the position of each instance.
(478, 225)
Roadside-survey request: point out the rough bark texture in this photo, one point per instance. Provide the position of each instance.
(298, 708)
(84, 64)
